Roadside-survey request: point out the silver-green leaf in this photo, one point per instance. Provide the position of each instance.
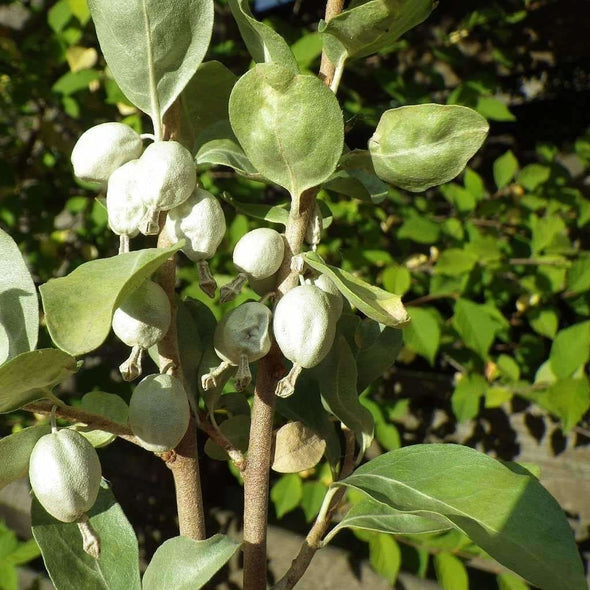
(19, 308)
(416, 147)
(69, 567)
(153, 48)
(381, 306)
(15, 451)
(290, 126)
(79, 307)
(368, 27)
(28, 376)
(502, 508)
(264, 44)
(184, 564)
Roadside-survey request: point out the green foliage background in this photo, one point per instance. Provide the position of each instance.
(494, 267)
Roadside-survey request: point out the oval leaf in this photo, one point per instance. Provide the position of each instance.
(23, 378)
(297, 448)
(237, 430)
(153, 48)
(507, 512)
(263, 43)
(290, 126)
(80, 306)
(371, 26)
(70, 567)
(184, 564)
(19, 308)
(15, 451)
(416, 147)
(381, 306)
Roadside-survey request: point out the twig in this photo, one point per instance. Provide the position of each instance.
(183, 461)
(94, 421)
(257, 474)
(236, 456)
(270, 370)
(313, 541)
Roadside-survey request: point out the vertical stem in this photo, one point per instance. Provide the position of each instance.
(257, 474)
(183, 461)
(270, 371)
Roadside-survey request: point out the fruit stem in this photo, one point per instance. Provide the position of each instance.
(230, 291)
(53, 420)
(90, 538)
(206, 280)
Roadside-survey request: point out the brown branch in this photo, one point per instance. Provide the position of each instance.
(327, 68)
(95, 421)
(257, 474)
(314, 538)
(183, 460)
(236, 456)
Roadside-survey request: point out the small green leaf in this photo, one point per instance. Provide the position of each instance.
(290, 126)
(337, 378)
(73, 82)
(474, 324)
(70, 567)
(459, 197)
(25, 378)
(59, 15)
(578, 275)
(312, 498)
(286, 494)
(504, 510)
(450, 572)
(385, 556)
(493, 109)
(387, 436)
(465, 399)
(185, 564)
(533, 175)
(416, 147)
(508, 367)
(497, 396)
(544, 322)
(367, 27)
(423, 334)
(16, 450)
(381, 306)
(546, 230)
(419, 229)
(80, 306)
(474, 183)
(455, 262)
(263, 43)
(568, 399)
(505, 168)
(19, 308)
(159, 66)
(80, 10)
(570, 349)
(396, 279)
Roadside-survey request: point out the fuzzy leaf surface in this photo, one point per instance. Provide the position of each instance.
(416, 147)
(185, 564)
(381, 306)
(79, 307)
(501, 508)
(290, 126)
(153, 48)
(69, 567)
(19, 308)
(23, 378)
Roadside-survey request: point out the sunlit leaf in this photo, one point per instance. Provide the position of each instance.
(416, 147)
(80, 306)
